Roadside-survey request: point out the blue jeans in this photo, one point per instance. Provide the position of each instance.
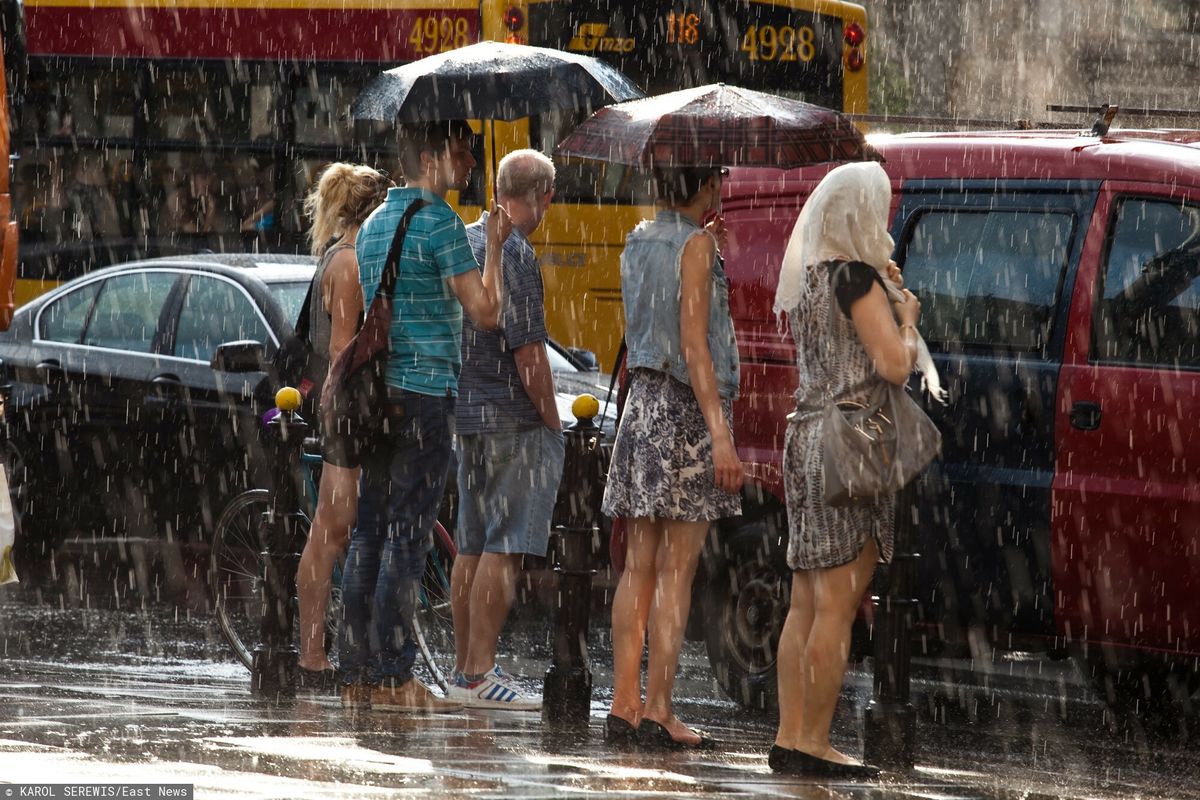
(403, 477)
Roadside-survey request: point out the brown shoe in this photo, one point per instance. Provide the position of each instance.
(357, 696)
(410, 696)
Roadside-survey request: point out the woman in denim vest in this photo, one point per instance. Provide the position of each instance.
(674, 468)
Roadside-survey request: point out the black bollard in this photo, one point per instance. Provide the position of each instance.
(567, 691)
(275, 657)
(891, 722)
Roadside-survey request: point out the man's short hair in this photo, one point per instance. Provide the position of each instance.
(527, 174)
(417, 138)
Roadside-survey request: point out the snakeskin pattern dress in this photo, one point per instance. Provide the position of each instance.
(831, 363)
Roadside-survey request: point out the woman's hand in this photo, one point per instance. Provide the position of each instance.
(908, 312)
(895, 275)
(716, 226)
(727, 467)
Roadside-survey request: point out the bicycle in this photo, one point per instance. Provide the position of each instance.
(236, 579)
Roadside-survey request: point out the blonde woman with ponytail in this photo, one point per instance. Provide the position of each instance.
(344, 196)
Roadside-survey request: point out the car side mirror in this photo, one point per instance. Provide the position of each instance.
(241, 356)
(585, 359)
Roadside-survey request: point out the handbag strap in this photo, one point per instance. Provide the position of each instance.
(391, 267)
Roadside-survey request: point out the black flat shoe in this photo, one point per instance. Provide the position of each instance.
(619, 732)
(317, 681)
(796, 762)
(653, 734)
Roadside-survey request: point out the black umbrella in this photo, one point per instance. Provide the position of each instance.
(494, 81)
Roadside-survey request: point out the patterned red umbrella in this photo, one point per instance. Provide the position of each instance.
(716, 125)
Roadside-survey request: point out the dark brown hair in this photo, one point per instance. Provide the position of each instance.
(427, 137)
(678, 185)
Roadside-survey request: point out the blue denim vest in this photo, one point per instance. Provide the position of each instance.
(650, 287)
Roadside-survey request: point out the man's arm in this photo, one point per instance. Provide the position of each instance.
(481, 297)
(534, 368)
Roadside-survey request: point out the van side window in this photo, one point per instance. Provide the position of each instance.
(1149, 311)
(988, 277)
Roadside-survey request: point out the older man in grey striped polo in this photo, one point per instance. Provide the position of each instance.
(509, 444)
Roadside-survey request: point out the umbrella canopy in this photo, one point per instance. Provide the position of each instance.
(716, 125)
(491, 80)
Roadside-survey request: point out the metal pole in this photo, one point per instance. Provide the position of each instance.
(891, 721)
(567, 691)
(275, 657)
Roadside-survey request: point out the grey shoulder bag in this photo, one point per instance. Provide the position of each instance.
(872, 450)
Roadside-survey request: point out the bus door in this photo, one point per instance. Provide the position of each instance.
(11, 83)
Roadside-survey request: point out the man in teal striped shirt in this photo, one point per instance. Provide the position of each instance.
(404, 474)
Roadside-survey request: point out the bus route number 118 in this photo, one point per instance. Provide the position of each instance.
(439, 34)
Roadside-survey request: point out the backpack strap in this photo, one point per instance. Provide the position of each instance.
(391, 267)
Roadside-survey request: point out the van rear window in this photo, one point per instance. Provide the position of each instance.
(988, 277)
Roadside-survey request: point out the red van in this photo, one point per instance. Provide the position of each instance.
(1059, 276)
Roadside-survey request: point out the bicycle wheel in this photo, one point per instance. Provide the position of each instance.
(433, 623)
(235, 574)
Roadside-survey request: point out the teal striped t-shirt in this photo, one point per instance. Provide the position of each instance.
(426, 353)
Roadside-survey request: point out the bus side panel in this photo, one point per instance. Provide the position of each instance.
(8, 269)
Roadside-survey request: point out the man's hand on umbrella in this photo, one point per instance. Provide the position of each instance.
(499, 225)
(895, 275)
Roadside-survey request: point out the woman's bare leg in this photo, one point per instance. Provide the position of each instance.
(837, 593)
(791, 660)
(337, 505)
(678, 554)
(631, 609)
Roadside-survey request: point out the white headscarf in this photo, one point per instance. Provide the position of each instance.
(845, 218)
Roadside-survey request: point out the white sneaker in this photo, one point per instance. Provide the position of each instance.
(498, 689)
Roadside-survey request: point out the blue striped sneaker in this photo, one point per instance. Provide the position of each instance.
(498, 689)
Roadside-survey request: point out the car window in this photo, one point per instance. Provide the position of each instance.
(988, 277)
(127, 311)
(1149, 312)
(63, 319)
(290, 297)
(214, 312)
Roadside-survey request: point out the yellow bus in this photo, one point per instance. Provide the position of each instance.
(12, 73)
(159, 126)
(814, 50)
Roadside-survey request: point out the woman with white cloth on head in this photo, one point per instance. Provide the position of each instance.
(853, 326)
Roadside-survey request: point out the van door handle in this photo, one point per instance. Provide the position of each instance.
(1085, 415)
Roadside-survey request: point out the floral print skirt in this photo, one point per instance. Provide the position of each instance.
(662, 459)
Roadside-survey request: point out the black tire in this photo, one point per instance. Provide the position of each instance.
(433, 625)
(236, 579)
(1152, 697)
(745, 604)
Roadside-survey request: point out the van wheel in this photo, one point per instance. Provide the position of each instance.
(746, 603)
(1151, 697)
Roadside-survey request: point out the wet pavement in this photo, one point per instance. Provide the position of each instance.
(151, 694)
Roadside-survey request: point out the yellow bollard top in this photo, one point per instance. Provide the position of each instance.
(586, 406)
(288, 399)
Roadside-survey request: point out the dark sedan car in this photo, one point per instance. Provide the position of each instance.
(118, 428)
(120, 432)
